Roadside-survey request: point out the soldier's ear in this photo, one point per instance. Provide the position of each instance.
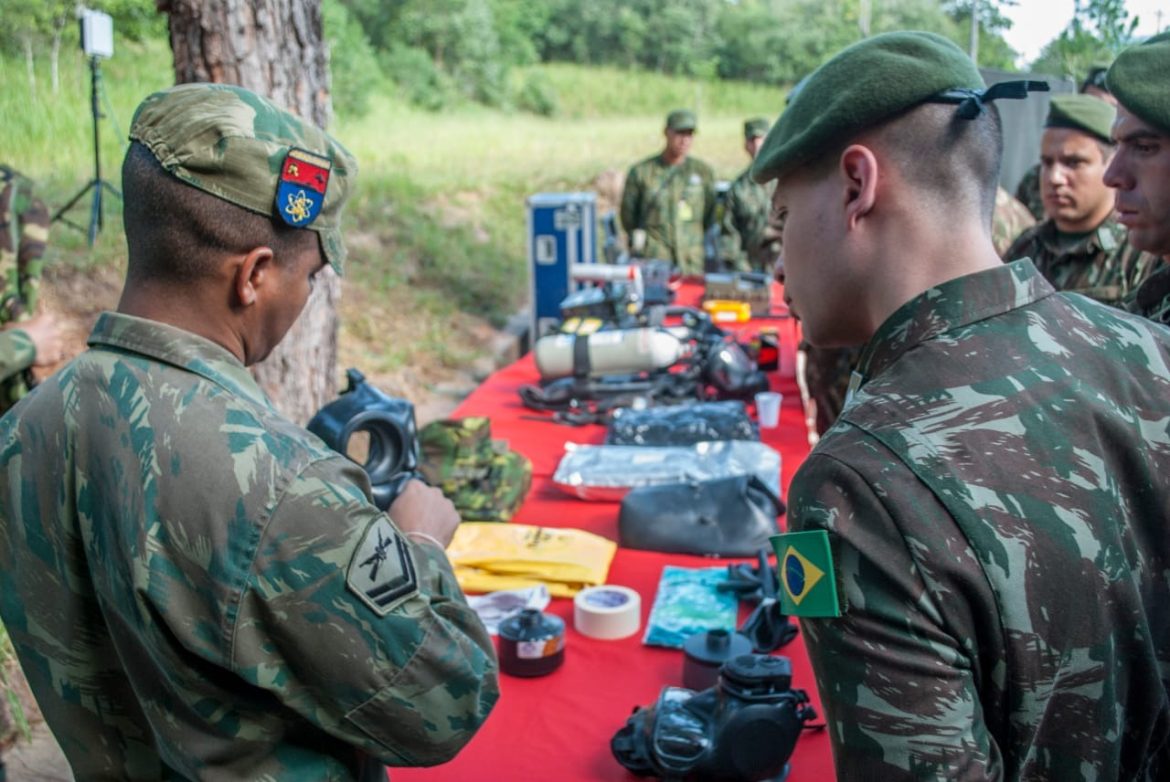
(859, 173)
(253, 271)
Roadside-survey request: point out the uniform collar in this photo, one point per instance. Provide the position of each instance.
(1104, 238)
(952, 305)
(182, 349)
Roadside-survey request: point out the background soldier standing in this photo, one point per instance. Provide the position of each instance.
(195, 586)
(28, 339)
(1140, 171)
(750, 240)
(669, 200)
(978, 549)
(1079, 247)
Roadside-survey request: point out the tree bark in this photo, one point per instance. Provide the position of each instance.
(274, 48)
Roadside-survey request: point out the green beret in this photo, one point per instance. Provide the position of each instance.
(681, 119)
(1138, 79)
(864, 85)
(242, 148)
(1082, 112)
(755, 127)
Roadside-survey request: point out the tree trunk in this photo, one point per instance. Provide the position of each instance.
(274, 48)
(973, 38)
(30, 65)
(55, 59)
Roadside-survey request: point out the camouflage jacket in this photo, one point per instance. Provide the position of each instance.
(199, 589)
(1028, 192)
(674, 205)
(1152, 298)
(996, 493)
(748, 241)
(24, 229)
(1101, 266)
(1010, 219)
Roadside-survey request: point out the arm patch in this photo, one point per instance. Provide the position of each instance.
(382, 571)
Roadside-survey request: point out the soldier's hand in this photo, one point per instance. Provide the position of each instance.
(45, 332)
(423, 509)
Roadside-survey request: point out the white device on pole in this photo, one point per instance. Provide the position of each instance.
(97, 33)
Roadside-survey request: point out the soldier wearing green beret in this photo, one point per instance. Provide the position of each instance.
(668, 202)
(1080, 247)
(1140, 171)
(1028, 189)
(978, 548)
(29, 338)
(749, 238)
(196, 587)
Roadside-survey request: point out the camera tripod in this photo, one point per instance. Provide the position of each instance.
(97, 184)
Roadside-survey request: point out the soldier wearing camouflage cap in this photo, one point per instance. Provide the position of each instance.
(196, 587)
(978, 548)
(1140, 171)
(1080, 247)
(749, 239)
(29, 338)
(668, 202)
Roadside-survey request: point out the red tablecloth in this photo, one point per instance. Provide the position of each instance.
(558, 727)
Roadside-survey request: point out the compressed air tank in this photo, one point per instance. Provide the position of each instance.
(621, 351)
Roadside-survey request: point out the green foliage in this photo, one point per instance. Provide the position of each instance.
(420, 80)
(536, 95)
(1098, 32)
(355, 73)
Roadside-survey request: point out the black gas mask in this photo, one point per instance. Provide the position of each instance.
(391, 458)
(741, 730)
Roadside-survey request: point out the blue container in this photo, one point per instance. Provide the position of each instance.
(562, 230)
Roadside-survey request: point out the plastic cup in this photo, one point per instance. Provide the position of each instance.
(768, 408)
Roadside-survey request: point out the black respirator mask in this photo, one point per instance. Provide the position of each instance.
(741, 730)
(393, 454)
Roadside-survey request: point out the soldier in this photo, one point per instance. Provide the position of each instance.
(669, 200)
(195, 586)
(1080, 247)
(1140, 170)
(1028, 189)
(750, 240)
(29, 339)
(978, 548)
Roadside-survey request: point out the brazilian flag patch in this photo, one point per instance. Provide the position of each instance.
(808, 580)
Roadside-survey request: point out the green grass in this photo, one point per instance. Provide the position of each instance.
(440, 197)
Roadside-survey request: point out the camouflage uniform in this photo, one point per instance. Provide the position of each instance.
(1101, 265)
(1007, 457)
(183, 552)
(24, 230)
(1011, 218)
(826, 376)
(750, 239)
(1152, 299)
(196, 587)
(675, 205)
(1028, 192)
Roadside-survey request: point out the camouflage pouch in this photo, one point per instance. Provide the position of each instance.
(483, 478)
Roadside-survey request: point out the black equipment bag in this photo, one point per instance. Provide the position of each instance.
(728, 517)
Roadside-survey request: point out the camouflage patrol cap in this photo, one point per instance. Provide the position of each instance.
(755, 127)
(1082, 112)
(681, 119)
(238, 146)
(861, 87)
(1137, 79)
